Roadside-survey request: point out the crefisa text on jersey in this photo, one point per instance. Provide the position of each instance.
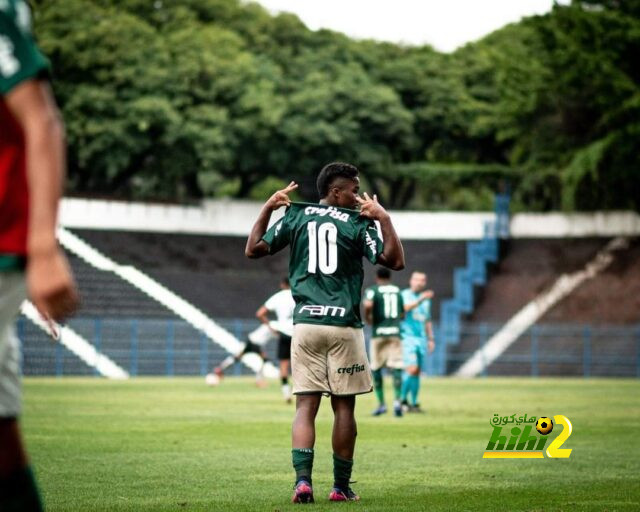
(330, 211)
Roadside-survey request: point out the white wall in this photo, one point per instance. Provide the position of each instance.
(560, 225)
(230, 217)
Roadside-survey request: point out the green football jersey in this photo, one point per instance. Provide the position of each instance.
(387, 310)
(325, 260)
(20, 58)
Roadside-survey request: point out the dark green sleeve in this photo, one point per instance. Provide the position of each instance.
(400, 302)
(277, 236)
(372, 243)
(20, 59)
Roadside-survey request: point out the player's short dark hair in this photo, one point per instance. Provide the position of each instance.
(332, 171)
(285, 280)
(383, 273)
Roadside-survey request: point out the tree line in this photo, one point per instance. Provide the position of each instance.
(179, 100)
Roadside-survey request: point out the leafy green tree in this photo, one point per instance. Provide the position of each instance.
(183, 99)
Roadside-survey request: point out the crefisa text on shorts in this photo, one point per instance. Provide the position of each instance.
(354, 368)
(525, 437)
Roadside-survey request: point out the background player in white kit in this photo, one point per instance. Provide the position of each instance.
(282, 305)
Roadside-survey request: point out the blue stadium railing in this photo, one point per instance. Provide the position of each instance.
(173, 347)
(479, 255)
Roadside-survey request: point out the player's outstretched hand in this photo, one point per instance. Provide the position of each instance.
(370, 207)
(281, 197)
(50, 285)
(427, 294)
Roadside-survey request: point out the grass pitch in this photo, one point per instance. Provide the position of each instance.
(178, 445)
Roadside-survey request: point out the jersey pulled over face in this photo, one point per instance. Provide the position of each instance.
(387, 309)
(325, 260)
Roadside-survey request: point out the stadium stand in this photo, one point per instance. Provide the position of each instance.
(612, 297)
(527, 268)
(213, 273)
(42, 356)
(123, 323)
(104, 294)
(590, 332)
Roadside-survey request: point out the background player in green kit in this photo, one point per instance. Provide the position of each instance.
(32, 166)
(415, 327)
(327, 243)
(383, 309)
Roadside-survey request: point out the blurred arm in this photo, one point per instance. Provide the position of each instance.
(49, 280)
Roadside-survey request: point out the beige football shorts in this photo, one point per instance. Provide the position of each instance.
(386, 351)
(329, 359)
(12, 293)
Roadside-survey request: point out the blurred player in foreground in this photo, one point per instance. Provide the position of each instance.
(415, 329)
(32, 168)
(383, 309)
(327, 243)
(282, 304)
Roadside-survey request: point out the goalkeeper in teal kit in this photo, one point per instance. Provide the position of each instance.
(416, 331)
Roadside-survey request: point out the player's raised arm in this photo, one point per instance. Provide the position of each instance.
(393, 254)
(256, 247)
(427, 294)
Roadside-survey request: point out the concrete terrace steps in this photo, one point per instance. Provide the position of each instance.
(213, 273)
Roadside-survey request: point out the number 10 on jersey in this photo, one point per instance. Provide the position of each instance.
(323, 248)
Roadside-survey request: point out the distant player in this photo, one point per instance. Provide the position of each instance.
(327, 243)
(282, 304)
(416, 331)
(32, 168)
(383, 309)
(256, 341)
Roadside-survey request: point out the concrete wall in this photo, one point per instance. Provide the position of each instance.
(230, 217)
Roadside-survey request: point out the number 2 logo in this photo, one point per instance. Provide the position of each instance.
(554, 450)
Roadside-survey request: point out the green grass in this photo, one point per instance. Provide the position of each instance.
(175, 444)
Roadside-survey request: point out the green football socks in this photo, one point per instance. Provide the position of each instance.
(341, 472)
(378, 385)
(302, 459)
(397, 383)
(19, 492)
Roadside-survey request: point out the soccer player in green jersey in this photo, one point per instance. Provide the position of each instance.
(327, 243)
(32, 166)
(383, 309)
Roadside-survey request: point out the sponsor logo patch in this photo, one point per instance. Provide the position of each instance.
(350, 370)
(330, 211)
(319, 310)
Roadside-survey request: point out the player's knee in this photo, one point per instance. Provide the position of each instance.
(308, 404)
